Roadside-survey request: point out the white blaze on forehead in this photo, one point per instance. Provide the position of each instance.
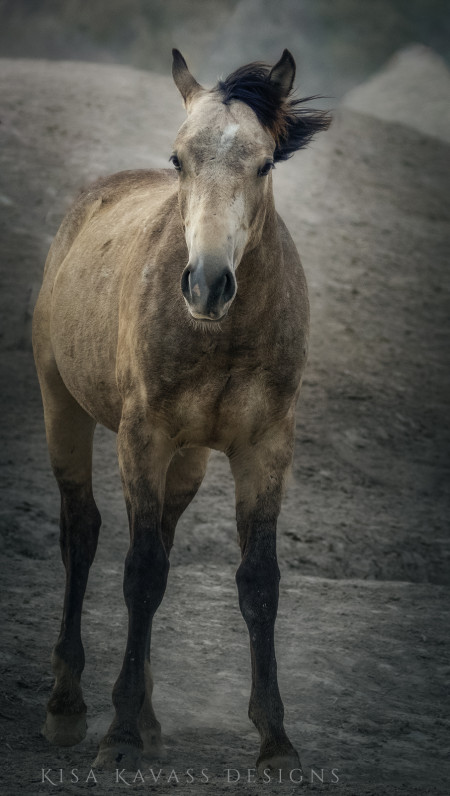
(228, 136)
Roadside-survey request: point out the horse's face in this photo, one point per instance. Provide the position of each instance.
(224, 154)
(224, 158)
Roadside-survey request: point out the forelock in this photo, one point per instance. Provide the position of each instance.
(291, 125)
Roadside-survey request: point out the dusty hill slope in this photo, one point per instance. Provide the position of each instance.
(368, 209)
(413, 89)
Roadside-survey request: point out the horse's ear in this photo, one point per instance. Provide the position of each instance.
(282, 75)
(185, 83)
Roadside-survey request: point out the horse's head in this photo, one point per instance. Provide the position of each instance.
(224, 153)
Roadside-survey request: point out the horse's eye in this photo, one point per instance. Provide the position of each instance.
(176, 162)
(264, 170)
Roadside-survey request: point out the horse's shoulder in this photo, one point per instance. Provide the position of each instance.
(102, 193)
(113, 188)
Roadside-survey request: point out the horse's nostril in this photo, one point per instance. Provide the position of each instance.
(185, 287)
(228, 289)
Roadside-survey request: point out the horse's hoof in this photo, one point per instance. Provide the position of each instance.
(118, 756)
(64, 730)
(284, 766)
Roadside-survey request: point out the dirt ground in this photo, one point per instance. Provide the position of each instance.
(364, 543)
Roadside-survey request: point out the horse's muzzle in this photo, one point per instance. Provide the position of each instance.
(208, 287)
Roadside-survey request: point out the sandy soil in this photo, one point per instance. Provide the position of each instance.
(364, 543)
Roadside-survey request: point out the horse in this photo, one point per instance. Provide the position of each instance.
(174, 311)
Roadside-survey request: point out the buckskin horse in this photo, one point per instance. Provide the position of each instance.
(174, 311)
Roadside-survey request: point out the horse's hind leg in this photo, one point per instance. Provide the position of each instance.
(184, 476)
(69, 435)
(259, 471)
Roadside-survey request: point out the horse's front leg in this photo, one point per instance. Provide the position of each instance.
(144, 458)
(259, 471)
(184, 477)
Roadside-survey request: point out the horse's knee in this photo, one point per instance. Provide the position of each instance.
(80, 523)
(257, 580)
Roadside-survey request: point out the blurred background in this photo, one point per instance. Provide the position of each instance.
(336, 44)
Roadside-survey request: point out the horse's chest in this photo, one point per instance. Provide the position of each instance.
(220, 410)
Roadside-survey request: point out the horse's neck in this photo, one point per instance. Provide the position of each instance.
(259, 269)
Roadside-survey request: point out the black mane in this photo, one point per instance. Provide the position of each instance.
(291, 124)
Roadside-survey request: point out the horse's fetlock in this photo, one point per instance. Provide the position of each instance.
(123, 733)
(68, 660)
(66, 703)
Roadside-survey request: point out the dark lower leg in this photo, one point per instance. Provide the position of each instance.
(259, 472)
(258, 579)
(80, 524)
(146, 570)
(184, 476)
(148, 724)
